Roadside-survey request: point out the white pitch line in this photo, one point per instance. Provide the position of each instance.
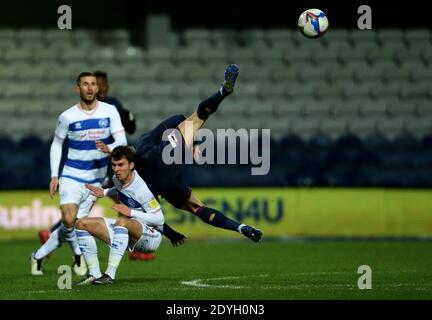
(199, 282)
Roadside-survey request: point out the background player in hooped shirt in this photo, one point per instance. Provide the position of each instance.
(93, 129)
(129, 123)
(138, 227)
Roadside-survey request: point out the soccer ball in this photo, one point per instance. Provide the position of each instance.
(313, 23)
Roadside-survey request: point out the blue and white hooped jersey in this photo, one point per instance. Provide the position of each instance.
(85, 163)
(137, 196)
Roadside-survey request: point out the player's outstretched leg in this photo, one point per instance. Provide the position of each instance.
(218, 219)
(250, 232)
(209, 106)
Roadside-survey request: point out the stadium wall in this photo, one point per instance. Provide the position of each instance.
(279, 212)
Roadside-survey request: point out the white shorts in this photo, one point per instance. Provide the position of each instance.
(150, 238)
(72, 191)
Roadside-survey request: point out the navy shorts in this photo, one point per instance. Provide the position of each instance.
(162, 179)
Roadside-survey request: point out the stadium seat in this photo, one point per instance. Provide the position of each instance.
(372, 108)
(131, 55)
(415, 91)
(285, 109)
(390, 127)
(366, 73)
(27, 35)
(9, 73)
(385, 36)
(17, 55)
(326, 91)
(314, 109)
(342, 108)
(408, 54)
(215, 57)
(419, 127)
(396, 74)
(399, 109)
(361, 37)
(225, 38)
(187, 55)
(382, 90)
(334, 127)
(159, 55)
(304, 128)
(171, 74)
(31, 108)
(362, 127)
(414, 37)
(283, 74)
(274, 56)
(199, 37)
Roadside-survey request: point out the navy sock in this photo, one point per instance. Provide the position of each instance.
(55, 226)
(209, 105)
(217, 219)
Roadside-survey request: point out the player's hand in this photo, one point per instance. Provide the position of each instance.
(96, 191)
(122, 209)
(53, 186)
(102, 146)
(196, 152)
(178, 240)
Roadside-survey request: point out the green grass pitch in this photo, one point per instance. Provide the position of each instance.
(236, 270)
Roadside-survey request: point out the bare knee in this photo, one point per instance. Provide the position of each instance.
(69, 213)
(69, 219)
(81, 224)
(122, 222)
(193, 204)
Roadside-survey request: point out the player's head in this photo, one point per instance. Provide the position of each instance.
(86, 86)
(123, 162)
(102, 82)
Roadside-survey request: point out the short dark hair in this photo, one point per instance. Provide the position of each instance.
(121, 152)
(84, 74)
(101, 74)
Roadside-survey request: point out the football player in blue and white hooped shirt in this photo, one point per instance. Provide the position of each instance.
(139, 226)
(93, 129)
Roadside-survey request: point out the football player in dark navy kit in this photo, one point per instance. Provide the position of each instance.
(165, 180)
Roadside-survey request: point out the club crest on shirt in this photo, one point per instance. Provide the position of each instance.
(103, 123)
(78, 125)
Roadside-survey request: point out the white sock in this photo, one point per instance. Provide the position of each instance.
(240, 227)
(52, 243)
(68, 235)
(88, 248)
(118, 247)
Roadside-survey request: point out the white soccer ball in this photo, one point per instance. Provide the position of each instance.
(313, 23)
